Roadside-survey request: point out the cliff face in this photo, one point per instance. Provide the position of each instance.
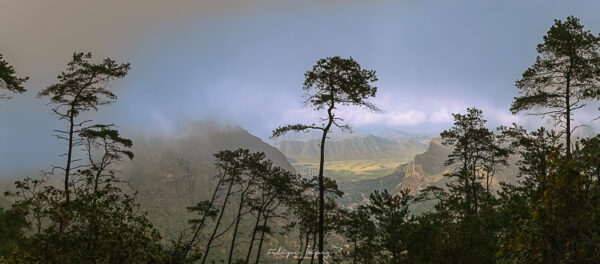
(426, 168)
(423, 170)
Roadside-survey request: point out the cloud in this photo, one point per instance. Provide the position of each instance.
(409, 118)
(441, 116)
(504, 116)
(360, 117)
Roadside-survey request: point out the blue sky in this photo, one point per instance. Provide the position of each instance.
(243, 61)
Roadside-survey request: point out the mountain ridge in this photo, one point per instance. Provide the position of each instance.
(360, 147)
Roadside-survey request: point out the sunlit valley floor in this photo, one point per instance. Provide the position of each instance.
(354, 157)
(351, 170)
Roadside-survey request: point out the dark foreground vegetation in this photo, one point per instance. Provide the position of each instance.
(551, 216)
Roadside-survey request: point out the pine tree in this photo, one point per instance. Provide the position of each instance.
(333, 82)
(8, 79)
(564, 76)
(83, 87)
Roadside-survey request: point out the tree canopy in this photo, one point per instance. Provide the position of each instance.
(9, 80)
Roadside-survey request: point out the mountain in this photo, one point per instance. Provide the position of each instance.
(424, 170)
(172, 173)
(378, 131)
(395, 134)
(427, 167)
(359, 147)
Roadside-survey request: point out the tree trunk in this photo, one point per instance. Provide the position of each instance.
(212, 236)
(475, 202)
(305, 248)
(488, 180)
(237, 224)
(201, 224)
(322, 188)
(354, 255)
(466, 186)
(253, 237)
(69, 155)
(262, 238)
(301, 238)
(235, 229)
(312, 258)
(568, 108)
(568, 114)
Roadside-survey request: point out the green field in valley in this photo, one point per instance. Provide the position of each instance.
(351, 170)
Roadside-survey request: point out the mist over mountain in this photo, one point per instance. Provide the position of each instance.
(172, 173)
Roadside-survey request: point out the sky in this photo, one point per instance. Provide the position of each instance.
(243, 62)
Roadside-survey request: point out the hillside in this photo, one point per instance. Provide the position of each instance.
(172, 173)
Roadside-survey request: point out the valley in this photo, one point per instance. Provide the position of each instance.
(354, 157)
(351, 170)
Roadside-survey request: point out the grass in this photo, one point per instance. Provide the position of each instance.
(351, 170)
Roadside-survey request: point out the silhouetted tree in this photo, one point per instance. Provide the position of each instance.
(476, 155)
(358, 227)
(464, 225)
(8, 79)
(390, 213)
(247, 185)
(84, 86)
(12, 229)
(304, 206)
(102, 223)
(278, 187)
(231, 164)
(564, 76)
(91, 220)
(250, 185)
(333, 82)
(533, 149)
(206, 211)
(590, 155)
(105, 216)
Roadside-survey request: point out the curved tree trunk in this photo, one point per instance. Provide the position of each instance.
(203, 220)
(568, 114)
(253, 237)
(212, 236)
(235, 229)
(304, 248)
(312, 256)
(322, 187)
(262, 238)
